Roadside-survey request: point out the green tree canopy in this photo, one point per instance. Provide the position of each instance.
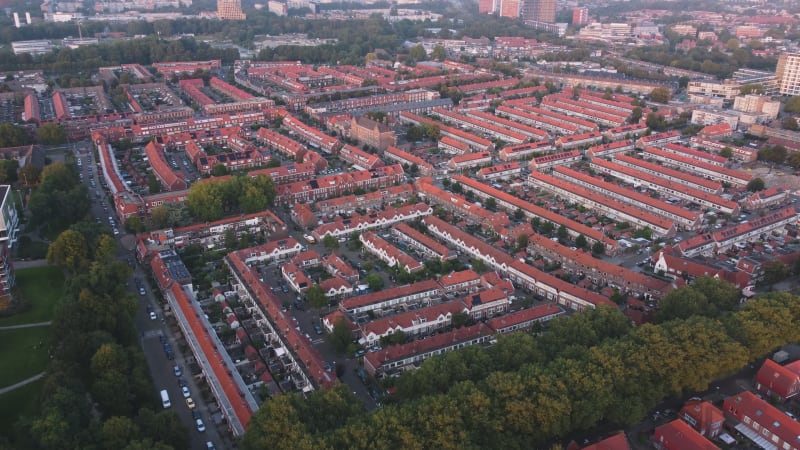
(51, 134)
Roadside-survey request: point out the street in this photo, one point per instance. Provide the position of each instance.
(150, 331)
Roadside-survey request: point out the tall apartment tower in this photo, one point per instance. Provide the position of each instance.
(788, 74)
(9, 224)
(230, 10)
(509, 8)
(539, 10)
(580, 16)
(486, 6)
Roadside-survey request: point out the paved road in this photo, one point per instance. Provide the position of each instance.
(21, 383)
(161, 369)
(30, 264)
(26, 325)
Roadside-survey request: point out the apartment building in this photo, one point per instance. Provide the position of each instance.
(739, 234)
(406, 158)
(610, 149)
(711, 171)
(788, 73)
(499, 172)
(359, 223)
(658, 139)
(675, 176)
(372, 133)
(469, 160)
(359, 158)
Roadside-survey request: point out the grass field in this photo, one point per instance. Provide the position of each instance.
(41, 287)
(18, 403)
(23, 353)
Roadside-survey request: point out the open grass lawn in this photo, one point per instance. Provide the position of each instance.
(41, 287)
(18, 403)
(23, 353)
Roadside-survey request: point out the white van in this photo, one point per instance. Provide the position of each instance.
(165, 399)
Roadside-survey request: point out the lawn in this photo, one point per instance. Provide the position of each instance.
(41, 287)
(23, 353)
(18, 403)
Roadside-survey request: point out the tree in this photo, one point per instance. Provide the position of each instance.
(660, 95)
(134, 224)
(273, 162)
(775, 271)
(12, 135)
(330, 242)
(792, 105)
(459, 319)
(153, 185)
(636, 115)
(726, 152)
(581, 242)
(789, 123)
(8, 171)
(51, 134)
(491, 204)
(755, 185)
(519, 214)
(375, 282)
(316, 296)
(656, 122)
(341, 335)
(732, 44)
(439, 53)
(29, 175)
(598, 248)
(219, 170)
(794, 160)
(70, 250)
(522, 241)
(562, 233)
(418, 53)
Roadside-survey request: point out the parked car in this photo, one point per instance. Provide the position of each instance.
(201, 427)
(185, 392)
(177, 370)
(190, 403)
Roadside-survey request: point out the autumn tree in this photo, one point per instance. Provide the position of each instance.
(660, 95)
(51, 134)
(316, 297)
(70, 250)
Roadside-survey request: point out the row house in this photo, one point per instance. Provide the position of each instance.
(768, 198)
(704, 417)
(396, 358)
(665, 187)
(760, 421)
(612, 208)
(686, 219)
(413, 323)
(524, 151)
(406, 158)
(290, 173)
(610, 149)
(511, 203)
(678, 435)
(743, 154)
(348, 204)
(524, 320)
(304, 362)
(108, 164)
(516, 127)
(579, 140)
(631, 131)
(599, 271)
(677, 149)
(421, 243)
(337, 267)
(169, 69)
(165, 115)
(776, 381)
(716, 131)
(358, 223)
(481, 88)
(486, 304)
(168, 178)
(295, 278)
(582, 125)
(675, 266)
(481, 126)
(338, 184)
(303, 216)
(461, 282)
(522, 275)
(595, 82)
(421, 292)
(716, 173)
(253, 104)
(469, 160)
(307, 259)
(476, 143)
(280, 143)
(742, 233)
(312, 136)
(546, 162)
(543, 122)
(566, 105)
(388, 253)
(271, 251)
(191, 87)
(242, 119)
(503, 171)
(230, 90)
(658, 139)
(623, 105)
(458, 205)
(336, 288)
(359, 158)
(234, 161)
(452, 146)
(31, 108)
(672, 175)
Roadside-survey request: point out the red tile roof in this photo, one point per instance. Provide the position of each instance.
(746, 404)
(616, 442)
(525, 315)
(686, 177)
(778, 380)
(678, 435)
(388, 294)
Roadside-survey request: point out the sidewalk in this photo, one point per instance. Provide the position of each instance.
(26, 325)
(21, 383)
(30, 263)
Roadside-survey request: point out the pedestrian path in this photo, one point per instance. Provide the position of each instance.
(27, 325)
(21, 383)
